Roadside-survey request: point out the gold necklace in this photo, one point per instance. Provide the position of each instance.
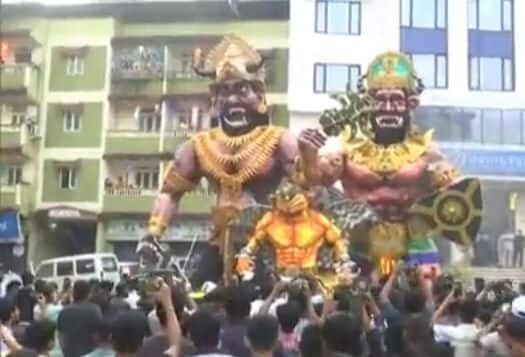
(252, 156)
(385, 160)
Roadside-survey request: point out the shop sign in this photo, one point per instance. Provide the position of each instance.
(64, 213)
(10, 228)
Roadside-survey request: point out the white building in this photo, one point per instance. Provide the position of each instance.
(471, 56)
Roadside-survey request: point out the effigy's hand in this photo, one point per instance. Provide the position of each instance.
(310, 141)
(244, 264)
(152, 255)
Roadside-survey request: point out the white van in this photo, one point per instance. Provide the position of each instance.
(80, 267)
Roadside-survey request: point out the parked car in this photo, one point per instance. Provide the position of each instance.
(80, 267)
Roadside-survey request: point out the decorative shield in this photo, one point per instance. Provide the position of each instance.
(454, 213)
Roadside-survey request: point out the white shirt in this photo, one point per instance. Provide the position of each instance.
(462, 337)
(493, 346)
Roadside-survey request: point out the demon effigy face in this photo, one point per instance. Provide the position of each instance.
(239, 105)
(238, 93)
(391, 114)
(290, 199)
(393, 93)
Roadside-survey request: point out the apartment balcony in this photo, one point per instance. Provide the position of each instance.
(138, 201)
(19, 83)
(132, 142)
(137, 71)
(186, 83)
(124, 143)
(20, 196)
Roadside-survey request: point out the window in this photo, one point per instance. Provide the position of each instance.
(71, 121)
(74, 66)
(492, 126)
(147, 179)
(487, 126)
(23, 56)
(149, 122)
(67, 177)
(45, 271)
(338, 17)
(491, 74)
(14, 175)
(490, 15)
(17, 118)
(424, 13)
(64, 268)
(109, 265)
(330, 78)
(85, 266)
(432, 69)
(512, 127)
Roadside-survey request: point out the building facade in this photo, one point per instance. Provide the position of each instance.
(95, 100)
(471, 57)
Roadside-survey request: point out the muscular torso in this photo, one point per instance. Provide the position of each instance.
(296, 243)
(391, 195)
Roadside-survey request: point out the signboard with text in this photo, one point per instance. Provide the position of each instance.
(10, 228)
(475, 161)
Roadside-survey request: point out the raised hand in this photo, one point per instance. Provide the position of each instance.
(310, 141)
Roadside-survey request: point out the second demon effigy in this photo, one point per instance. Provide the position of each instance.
(385, 161)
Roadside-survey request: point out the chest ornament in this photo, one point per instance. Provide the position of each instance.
(386, 160)
(247, 157)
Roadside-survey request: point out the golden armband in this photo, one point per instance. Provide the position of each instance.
(174, 182)
(156, 225)
(442, 174)
(298, 174)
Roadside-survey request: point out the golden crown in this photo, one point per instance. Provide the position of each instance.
(391, 70)
(232, 58)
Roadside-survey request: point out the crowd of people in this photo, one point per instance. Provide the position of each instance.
(407, 314)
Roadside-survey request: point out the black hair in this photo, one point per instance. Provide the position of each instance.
(24, 352)
(237, 302)
(342, 334)
(288, 315)
(121, 289)
(48, 290)
(81, 290)
(103, 332)
(311, 344)
(468, 310)
(7, 307)
(39, 335)
(179, 302)
(414, 302)
(128, 331)
(27, 278)
(262, 332)
(204, 329)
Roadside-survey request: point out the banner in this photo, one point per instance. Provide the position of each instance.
(10, 229)
(475, 161)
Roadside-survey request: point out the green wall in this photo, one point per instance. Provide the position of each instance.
(132, 145)
(277, 71)
(87, 187)
(90, 127)
(94, 71)
(280, 115)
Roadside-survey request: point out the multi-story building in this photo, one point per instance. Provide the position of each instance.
(471, 57)
(96, 98)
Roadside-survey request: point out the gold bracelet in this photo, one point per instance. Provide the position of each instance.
(174, 182)
(156, 225)
(298, 175)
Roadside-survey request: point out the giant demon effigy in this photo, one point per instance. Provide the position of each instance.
(387, 163)
(245, 158)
